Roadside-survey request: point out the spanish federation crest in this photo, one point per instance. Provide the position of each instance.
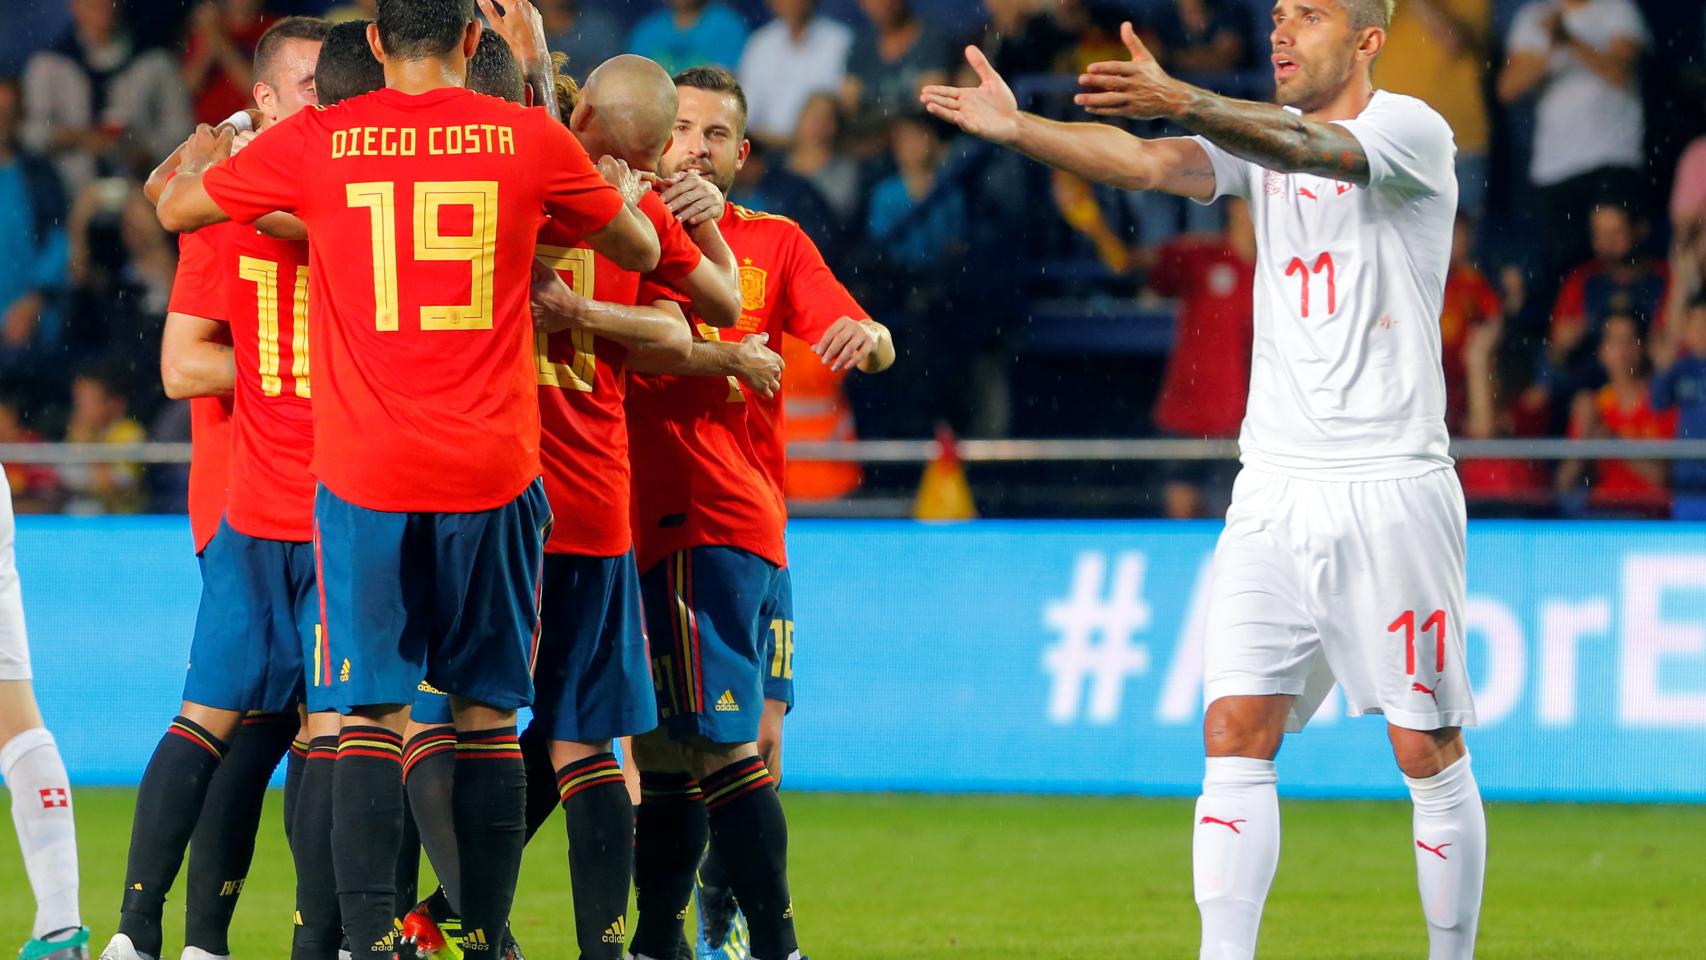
(751, 286)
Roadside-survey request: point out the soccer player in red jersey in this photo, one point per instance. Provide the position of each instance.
(425, 201)
(258, 597)
(786, 289)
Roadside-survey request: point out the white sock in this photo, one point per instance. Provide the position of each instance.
(1234, 852)
(41, 810)
(1451, 857)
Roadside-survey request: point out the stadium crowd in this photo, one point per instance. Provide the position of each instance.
(1576, 304)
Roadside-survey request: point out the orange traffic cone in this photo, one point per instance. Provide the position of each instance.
(944, 494)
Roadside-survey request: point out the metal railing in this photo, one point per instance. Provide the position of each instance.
(973, 451)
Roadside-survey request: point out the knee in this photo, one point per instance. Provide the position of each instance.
(1424, 753)
(1244, 727)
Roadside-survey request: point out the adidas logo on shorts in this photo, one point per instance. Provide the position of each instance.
(727, 703)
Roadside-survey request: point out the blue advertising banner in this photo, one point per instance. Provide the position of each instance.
(1032, 656)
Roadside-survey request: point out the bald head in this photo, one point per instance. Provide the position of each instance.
(626, 109)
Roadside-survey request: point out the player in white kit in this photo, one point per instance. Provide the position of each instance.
(1343, 552)
(35, 776)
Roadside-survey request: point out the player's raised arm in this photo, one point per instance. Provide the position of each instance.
(661, 328)
(714, 285)
(1095, 151)
(1262, 133)
(184, 203)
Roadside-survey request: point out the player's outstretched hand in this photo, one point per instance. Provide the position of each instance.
(987, 110)
(206, 147)
(624, 178)
(846, 343)
(693, 199)
(1136, 88)
(555, 304)
(758, 366)
(519, 24)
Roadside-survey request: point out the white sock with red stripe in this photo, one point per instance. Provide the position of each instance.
(1234, 853)
(47, 833)
(1451, 857)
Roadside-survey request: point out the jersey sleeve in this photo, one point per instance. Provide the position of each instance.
(815, 299)
(680, 255)
(1408, 145)
(197, 287)
(269, 175)
(574, 194)
(1231, 174)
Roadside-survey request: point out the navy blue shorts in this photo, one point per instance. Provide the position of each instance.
(779, 641)
(259, 610)
(592, 680)
(706, 619)
(449, 598)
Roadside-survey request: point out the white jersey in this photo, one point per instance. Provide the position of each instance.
(1345, 378)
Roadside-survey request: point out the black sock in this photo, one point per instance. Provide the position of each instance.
(490, 803)
(429, 772)
(408, 861)
(542, 798)
(224, 839)
(716, 898)
(173, 789)
(294, 761)
(601, 852)
(750, 835)
(670, 831)
(319, 925)
(367, 827)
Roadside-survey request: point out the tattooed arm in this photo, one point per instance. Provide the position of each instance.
(1095, 151)
(1275, 138)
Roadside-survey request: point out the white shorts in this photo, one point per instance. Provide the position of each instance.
(1356, 581)
(14, 643)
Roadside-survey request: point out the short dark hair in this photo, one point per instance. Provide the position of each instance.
(492, 70)
(417, 29)
(347, 66)
(716, 80)
(290, 28)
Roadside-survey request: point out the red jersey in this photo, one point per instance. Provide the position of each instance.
(1615, 481)
(582, 384)
(1207, 382)
(197, 291)
(424, 211)
(785, 288)
(272, 437)
(697, 482)
(1469, 302)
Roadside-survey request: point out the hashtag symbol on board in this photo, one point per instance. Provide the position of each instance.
(1095, 628)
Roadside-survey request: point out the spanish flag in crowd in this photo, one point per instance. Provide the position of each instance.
(944, 494)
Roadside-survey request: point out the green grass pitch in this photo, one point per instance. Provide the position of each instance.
(885, 877)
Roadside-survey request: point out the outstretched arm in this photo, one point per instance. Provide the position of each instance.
(1264, 134)
(184, 203)
(1095, 151)
(661, 329)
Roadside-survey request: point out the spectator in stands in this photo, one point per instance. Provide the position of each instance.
(35, 487)
(817, 155)
(1470, 302)
(765, 183)
(32, 250)
(1437, 50)
(121, 268)
(589, 35)
(893, 55)
(1688, 189)
(1502, 403)
(1619, 279)
(100, 413)
(354, 10)
(93, 101)
(1021, 38)
(1622, 409)
(789, 60)
(1582, 57)
(1208, 372)
(1679, 355)
(218, 55)
(917, 243)
(691, 33)
(1201, 36)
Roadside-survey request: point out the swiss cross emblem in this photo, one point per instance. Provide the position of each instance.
(55, 797)
(751, 286)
